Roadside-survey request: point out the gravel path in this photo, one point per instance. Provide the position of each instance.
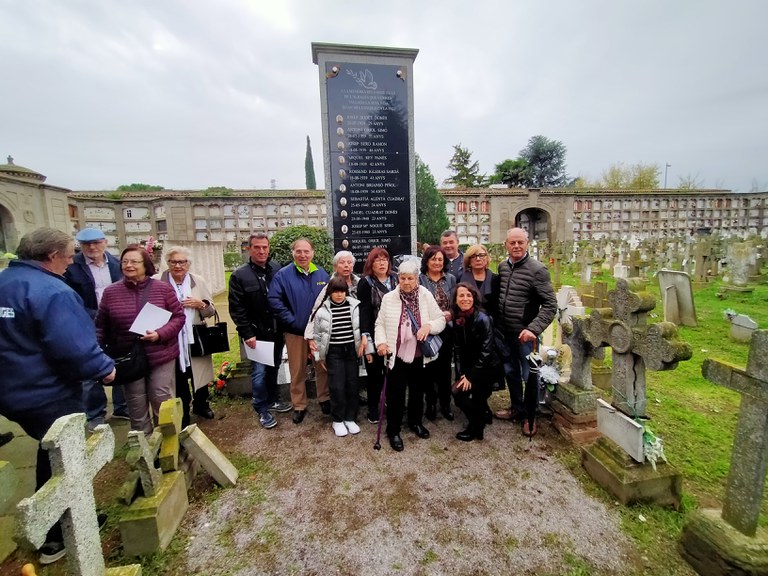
(311, 503)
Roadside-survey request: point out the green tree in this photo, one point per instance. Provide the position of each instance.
(280, 244)
(431, 217)
(513, 173)
(309, 168)
(546, 162)
(139, 188)
(218, 191)
(638, 176)
(465, 173)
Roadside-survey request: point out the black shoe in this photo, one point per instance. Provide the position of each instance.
(419, 430)
(465, 435)
(204, 412)
(51, 552)
(447, 413)
(431, 412)
(298, 416)
(489, 417)
(396, 442)
(325, 406)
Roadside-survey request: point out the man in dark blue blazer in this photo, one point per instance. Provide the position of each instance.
(92, 270)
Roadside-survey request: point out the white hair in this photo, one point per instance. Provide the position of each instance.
(343, 254)
(179, 250)
(408, 267)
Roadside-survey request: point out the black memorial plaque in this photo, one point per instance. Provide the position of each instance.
(368, 140)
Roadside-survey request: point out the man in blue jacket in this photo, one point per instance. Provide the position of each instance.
(91, 271)
(47, 348)
(291, 296)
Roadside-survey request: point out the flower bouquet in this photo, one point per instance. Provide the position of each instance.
(219, 382)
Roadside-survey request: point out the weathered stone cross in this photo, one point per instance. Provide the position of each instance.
(749, 458)
(69, 492)
(635, 345)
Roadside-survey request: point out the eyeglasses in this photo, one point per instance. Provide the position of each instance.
(478, 256)
(178, 262)
(381, 260)
(134, 262)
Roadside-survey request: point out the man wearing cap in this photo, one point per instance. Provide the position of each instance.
(91, 271)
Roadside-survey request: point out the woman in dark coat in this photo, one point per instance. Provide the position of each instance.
(473, 347)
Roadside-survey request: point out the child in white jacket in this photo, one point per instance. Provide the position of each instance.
(333, 334)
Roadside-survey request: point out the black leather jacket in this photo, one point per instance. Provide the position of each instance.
(474, 348)
(248, 305)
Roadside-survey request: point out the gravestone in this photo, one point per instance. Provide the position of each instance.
(677, 297)
(366, 100)
(731, 542)
(169, 422)
(636, 346)
(69, 495)
(742, 327)
(210, 457)
(620, 271)
(740, 257)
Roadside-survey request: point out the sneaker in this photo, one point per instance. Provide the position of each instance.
(373, 419)
(267, 420)
(352, 427)
(120, 417)
(339, 429)
(51, 552)
(92, 424)
(281, 407)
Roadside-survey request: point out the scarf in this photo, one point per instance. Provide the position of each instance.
(410, 300)
(463, 316)
(186, 336)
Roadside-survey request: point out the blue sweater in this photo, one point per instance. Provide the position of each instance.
(292, 294)
(47, 341)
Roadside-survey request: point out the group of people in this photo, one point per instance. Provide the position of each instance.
(65, 317)
(385, 318)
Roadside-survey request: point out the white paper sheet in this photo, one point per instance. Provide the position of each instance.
(264, 353)
(151, 317)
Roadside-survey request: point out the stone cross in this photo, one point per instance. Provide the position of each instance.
(169, 422)
(749, 458)
(69, 493)
(635, 344)
(142, 458)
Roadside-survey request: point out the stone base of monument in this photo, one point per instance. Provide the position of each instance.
(578, 429)
(601, 377)
(578, 400)
(739, 289)
(148, 525)
(715, 548)
(628, 480)
(239, 381)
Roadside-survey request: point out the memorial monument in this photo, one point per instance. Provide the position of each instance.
(366, 96)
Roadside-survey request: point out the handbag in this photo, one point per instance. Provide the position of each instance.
(132, 366)
(429, 347)
(209, 339)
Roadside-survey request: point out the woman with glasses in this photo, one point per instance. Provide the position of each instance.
(196, 300)
(119, 306)
(476, 273)
(378, 280)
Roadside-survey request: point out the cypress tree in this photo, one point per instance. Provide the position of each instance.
(309, 168)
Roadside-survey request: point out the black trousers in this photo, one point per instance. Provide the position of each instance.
(341, 361)
(185, 383)
(439, 376)
(474, 403)
(405, 376)
(373, 382)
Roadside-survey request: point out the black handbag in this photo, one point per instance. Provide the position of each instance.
(429, 347)
(209, 339)
(132, 366)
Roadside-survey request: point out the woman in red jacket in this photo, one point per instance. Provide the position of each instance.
(120, 304)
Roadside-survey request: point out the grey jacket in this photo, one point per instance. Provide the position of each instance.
(320, 329)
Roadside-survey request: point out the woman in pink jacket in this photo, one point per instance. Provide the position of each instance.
(120, 304)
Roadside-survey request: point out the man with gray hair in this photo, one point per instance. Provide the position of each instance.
(449, 242)
(526, 306)
(47, 348)
(91, 271)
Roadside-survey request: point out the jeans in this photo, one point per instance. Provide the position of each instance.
(342, 364)
(95, 400)
(264, 381)
(517, 371)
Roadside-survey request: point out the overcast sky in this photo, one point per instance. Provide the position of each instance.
(194, 93)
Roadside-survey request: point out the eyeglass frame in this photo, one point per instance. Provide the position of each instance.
(178, 262)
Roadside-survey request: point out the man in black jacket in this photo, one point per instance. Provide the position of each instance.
(92, 270)
(249, 310)
(526, 306)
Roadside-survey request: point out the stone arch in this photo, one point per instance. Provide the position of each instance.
(9, 238)
(536, 221)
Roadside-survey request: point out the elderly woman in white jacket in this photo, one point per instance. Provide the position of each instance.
(333, 335)
(395, 335)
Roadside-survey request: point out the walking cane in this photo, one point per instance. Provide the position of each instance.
(382, 396)
(532, 392)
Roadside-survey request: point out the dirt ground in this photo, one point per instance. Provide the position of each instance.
(311, 503)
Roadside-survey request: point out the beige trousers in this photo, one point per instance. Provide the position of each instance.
(298, 350)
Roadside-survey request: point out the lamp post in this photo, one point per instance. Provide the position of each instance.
(666, 167)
